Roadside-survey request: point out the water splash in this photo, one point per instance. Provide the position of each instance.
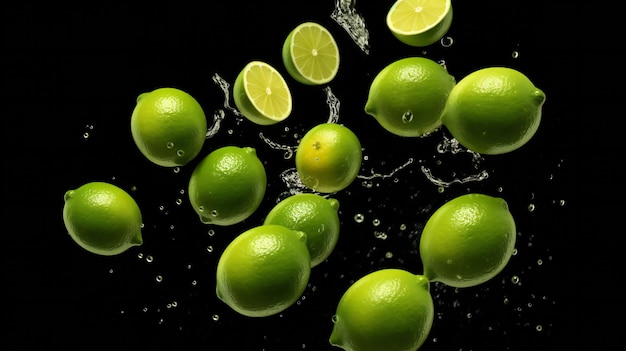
(333, 105)
(349, 19)
(439, 182)
(453, 146)
(294, 184)
(289, 150)
(225, 86)
(388, 175)
(218, 116)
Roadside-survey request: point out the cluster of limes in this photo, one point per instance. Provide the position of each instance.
(265, 269)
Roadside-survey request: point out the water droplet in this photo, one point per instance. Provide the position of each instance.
(211, 232)
(176, 169)
(515, 279)
(145, 309)
(158, 278)
(447, 41)
(86, 135)
(531, 207)
(407, 117)
(200, 208)
(515, 54)
(380, 235)
(376, 222)
(111, 271)
(169, 145)
(359, 218)
(194, 282)
(209, 249)
(215, 317)
(334, 318)
(562, 203)
(389, 255)
(180, 153)
(179, 201)
(140, 255)
(214, 213)
(441, 189)
(149, 259)
(539, 327)
(402, 226)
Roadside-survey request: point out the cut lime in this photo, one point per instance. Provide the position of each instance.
(419, 22)
(261, 94)
(310, 54)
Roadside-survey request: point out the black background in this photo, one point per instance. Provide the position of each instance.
(71, 69)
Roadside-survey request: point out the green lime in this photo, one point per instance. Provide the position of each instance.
(264, 270)
(468, 240)
(102, 218)
(228, 185)
(388, 309)
(261, 94)
(328, 158)
(314, 215)
(310, 54)
(168, 126)
(494, 110)
(420, 22)
(408, 96)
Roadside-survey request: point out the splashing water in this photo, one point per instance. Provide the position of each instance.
(349, 19)
(225, 89)
(439, 182)
(333, 105)
(294, 184)
(289, 150)
(452, 146)
(218, 116)
(388, 175)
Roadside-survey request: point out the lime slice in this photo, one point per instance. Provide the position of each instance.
(261, 94)
(419, 22)
(310, 54)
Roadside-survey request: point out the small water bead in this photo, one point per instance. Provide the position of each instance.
(515, 54)
(215, 317)
(407, 117)
(441, 189)
(145, 309)
(111, 271)
(194, 282)
(179, 201)
(86, 135)
(211, 232)
(214, 213)
(334, 318)
(176, 169)
(376, 222)
(402, 226)
(359, 218)
(158, 278)
(515, 280)
(447, 42)
(169, 145)
(562, 203)
(539, 327)
(140, 255)
(380, 235)
(389, 254)
(531, 207)
(539, 262)
(149, 259)
(180, 153)
(209, 249)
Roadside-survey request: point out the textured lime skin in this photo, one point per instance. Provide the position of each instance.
(408, 96)
(468, 240)
(494, 110)
(102, 218)
(388, 309)
(168, 126)
(314, 215)
(264, 270)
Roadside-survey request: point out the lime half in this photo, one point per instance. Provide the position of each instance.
(420, 22)
(310, 54)
(261, 94)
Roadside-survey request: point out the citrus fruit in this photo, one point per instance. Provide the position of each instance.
(264, 270)
(314, 215)
(261, 94)
(408, 96)
(328, 157)
(228, 185)
(420, 22)
(102, 218)
(388, 309)
(310, 54)
(168, 126)
(494, 110)
(468, 240)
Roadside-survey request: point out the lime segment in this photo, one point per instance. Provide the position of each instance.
(419, 22)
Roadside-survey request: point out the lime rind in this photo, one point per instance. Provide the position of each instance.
(261, 94)
(311, 54)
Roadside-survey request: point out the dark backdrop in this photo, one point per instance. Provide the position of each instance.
(71, 76)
